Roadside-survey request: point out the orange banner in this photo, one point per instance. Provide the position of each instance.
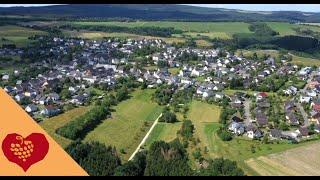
(26, 149)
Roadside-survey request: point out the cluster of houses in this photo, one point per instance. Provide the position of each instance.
(105, 61)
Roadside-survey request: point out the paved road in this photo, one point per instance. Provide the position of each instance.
(304, 114)
(247, 113)
(145, 138)
(301, 109)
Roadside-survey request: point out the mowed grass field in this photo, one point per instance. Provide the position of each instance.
(130, 121)
(301, 161)
(17, 35)
(202, 114)
(163, 132)
(51, 124)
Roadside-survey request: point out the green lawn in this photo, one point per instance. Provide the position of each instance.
(17, 35)
(129, 123)
(51, 124)
(163, 131)
(174, 70)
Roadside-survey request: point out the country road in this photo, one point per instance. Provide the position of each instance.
(247, 113)
(145, 138)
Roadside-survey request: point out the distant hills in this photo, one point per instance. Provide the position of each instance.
(158, 12)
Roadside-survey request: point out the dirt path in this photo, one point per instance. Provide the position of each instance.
(145, 138)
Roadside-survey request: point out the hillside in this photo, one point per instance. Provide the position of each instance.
(158, 12)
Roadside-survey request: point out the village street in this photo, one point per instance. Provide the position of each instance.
(247, 113)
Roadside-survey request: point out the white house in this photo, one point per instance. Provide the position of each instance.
(253, 132)
(31, 108)
(236, 128)
(5, 77)
(305, 99)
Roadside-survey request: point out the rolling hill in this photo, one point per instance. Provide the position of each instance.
(158, 12)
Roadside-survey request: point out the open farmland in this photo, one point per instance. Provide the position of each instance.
(130, 122)
(17, 35)
(97, 35)
(301, 161)
(51, 124)
(288, 29)
(226, 27)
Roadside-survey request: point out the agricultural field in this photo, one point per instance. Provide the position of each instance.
(305, 61)
(98, 35)
(130, 122)
(203, 43)
(301, 161)
(51, 124)
(222, 27)
(211, 35)
(287, 28)
(17, 35)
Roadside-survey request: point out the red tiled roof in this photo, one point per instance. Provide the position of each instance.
(316, 107)
(263, 94)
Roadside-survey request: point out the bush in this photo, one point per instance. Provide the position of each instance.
(224, 134)
(168, 117)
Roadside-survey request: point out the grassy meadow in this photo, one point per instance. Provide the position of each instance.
(130, 122)
(17, 35)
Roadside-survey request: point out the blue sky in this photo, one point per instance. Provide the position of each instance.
(252, 7)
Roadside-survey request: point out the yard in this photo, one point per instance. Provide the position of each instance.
(51, 124)
(130, 122)
(17, 35)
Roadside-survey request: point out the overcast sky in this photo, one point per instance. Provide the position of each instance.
(252, 7)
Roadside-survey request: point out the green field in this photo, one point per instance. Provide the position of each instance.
(287, 28)
(211, 35)
(130, 122)
(51, 124)
(226, 27)
(17, 35)
(301, 161)
(305, 61)
(201, 114)
(163, 131)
